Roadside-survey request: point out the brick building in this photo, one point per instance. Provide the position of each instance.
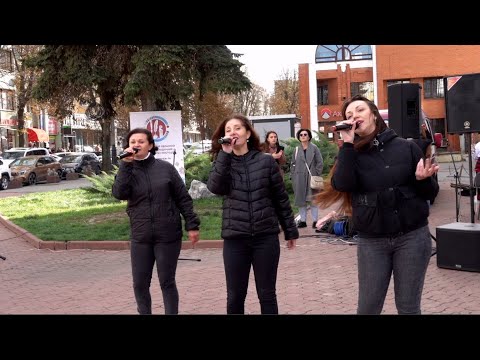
(341, 71)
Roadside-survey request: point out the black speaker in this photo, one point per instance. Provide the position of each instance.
(404, 109)
(458, 246)
(462, 103)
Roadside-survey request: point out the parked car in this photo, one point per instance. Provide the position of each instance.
(80, 163)
(15, 153)
(6, 175)
(35, 168)
(198, 148)
(99, 155)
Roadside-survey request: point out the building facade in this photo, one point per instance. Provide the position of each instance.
(342, 71)
(8, 122)
(75, 132)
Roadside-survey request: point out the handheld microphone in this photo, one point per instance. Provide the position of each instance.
(224, 140)
(342, 127)
(127, 154)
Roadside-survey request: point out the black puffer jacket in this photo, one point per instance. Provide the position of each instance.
(387, 199)
(156, 197)
(255, 200)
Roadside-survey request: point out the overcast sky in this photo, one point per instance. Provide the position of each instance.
(265, 63)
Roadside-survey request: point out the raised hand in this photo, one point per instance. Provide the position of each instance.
(425, 169)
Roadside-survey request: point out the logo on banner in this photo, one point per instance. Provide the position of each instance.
(325, 113)
(158, 126)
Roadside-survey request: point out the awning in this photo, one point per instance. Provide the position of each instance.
(35, 134)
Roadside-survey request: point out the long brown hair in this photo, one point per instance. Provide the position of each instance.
(266, 144)
(253, 140)
(329, 196)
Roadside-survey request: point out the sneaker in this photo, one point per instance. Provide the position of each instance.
(314, 225)
(301, 224)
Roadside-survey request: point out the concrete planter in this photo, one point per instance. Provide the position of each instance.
(53, 179)
(15, 184)
(72, 176)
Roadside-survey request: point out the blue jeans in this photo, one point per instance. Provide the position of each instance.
(238, 257)
(143, 257)
(407, 257)
(303, 212)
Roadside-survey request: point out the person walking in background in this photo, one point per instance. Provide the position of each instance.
(386, 181)
(272, 146)
(156, 196)
(305, 155)
(255, 203)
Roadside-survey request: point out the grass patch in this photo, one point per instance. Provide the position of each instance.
(80, 214)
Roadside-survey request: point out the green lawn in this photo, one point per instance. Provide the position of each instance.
(81, 214)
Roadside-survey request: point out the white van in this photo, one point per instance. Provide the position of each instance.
(12, 154)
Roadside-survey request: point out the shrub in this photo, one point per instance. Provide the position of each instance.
(197, 167)
(103, 183)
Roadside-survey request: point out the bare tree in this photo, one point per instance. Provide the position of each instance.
(207, 113)
(250, 102)
(285, 97)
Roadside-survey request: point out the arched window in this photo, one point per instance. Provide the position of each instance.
(334, 53)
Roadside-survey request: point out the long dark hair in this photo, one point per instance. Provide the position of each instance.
(364, 143)
(147, 132)
(266, 144)
(329, 195)
(253, 141)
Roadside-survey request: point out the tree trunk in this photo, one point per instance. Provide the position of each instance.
(21, 125)
(148, 104)
(106, 125)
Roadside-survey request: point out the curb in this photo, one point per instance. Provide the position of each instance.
(92, 245)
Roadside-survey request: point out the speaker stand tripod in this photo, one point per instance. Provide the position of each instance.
(468, 145)
(456, 176)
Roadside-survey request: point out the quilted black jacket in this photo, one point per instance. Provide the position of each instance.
(387, 199)
(156, 197)
(255, 200)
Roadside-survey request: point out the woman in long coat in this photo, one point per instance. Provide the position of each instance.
(306, 154)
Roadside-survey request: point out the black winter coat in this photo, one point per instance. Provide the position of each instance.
(387, 199)
(156, 197)
(255, 200)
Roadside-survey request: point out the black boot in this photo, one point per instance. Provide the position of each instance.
(301, 224)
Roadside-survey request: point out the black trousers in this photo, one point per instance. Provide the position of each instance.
(143, 256)
(238, 256)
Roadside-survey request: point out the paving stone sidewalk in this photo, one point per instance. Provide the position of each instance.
(318, 277)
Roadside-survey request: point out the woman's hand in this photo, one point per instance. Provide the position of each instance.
(193, 236)
(425, 169)
(228, 148)
(291, 244)
(131, 157)
(348, 135)
(277, 155)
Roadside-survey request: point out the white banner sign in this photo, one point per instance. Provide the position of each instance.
(166, 127)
